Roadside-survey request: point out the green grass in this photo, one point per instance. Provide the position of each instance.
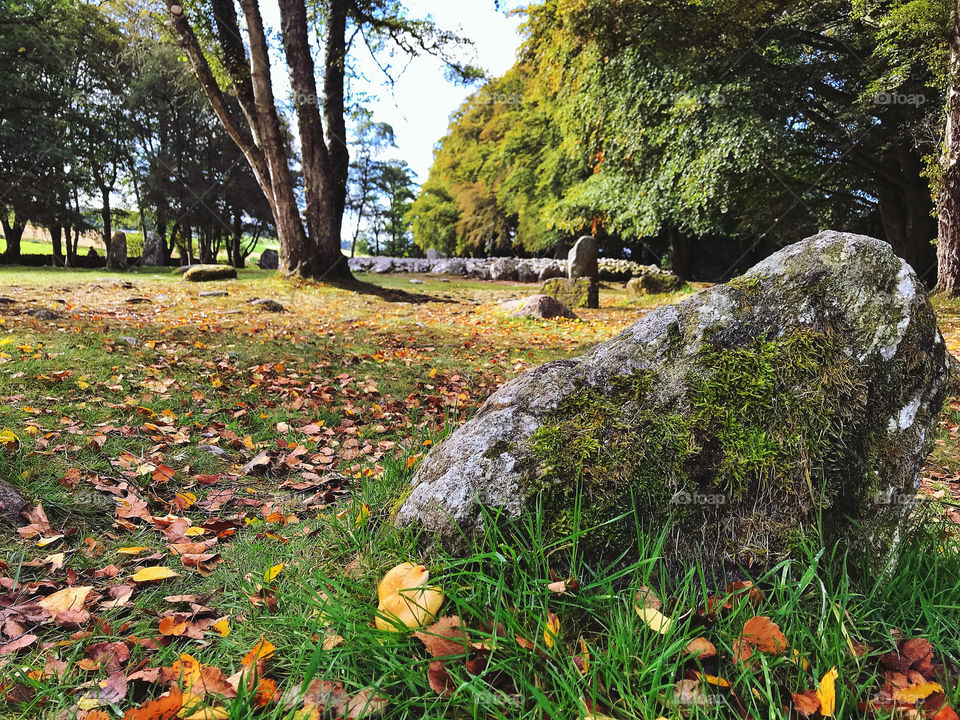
(413, 351)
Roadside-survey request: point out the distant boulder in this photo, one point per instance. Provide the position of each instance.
(537, 306)
(269, 260)
(654, 283)
(582, 292)
(206, 273)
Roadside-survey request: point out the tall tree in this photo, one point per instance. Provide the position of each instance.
(948, 205)
(372, 139)
(309, 246)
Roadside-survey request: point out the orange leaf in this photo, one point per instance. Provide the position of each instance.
(765, 635)
(261, 651)
(171, 626)
(164, 707)
(807, 703)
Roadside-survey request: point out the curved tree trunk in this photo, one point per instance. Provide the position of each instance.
(948, 205)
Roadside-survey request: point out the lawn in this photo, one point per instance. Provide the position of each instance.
(217, 483)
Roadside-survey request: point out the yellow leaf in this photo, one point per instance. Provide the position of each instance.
(222, 626)
(133, 550)
(403, 576)
(248, 442)
(654, 619)
(70, 598)
(552, 631)
(827, 693)
(917, 692)
(210, 713)
(412, 608)
(364, 514)
(43, 542)
(194, 531)
(8, 438)
(270, 574)
(153, 574)
(715, 680)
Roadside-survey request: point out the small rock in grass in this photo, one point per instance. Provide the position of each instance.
(214, 293)
(268, 305)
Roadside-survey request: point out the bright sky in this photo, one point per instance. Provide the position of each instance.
(422, 101)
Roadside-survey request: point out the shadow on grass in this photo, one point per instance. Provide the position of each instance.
(388, 294)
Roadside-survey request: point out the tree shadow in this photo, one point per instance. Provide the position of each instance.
(393, 295)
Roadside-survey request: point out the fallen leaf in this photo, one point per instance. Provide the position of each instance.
(154, 573)
(272, 572)
(765, 635)
(913, 693)
(552, 630)
(700, 648)
(806, 703)
(261, 651)
(654, 619)
(827, 693)
(445, 638)
(66, 600)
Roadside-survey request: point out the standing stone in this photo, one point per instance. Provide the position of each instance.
(269, 260)
(582, 259)
(117, 255)
(801, 398)
(580, 293)
(153, 250)
(435, 254)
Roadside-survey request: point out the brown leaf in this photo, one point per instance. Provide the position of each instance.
(445, 638)
(439, 679)
(16, 644)
(806, 703)
(762, 633)
(701, 648)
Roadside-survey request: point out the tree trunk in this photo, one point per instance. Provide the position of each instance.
(321, 166)
(909, 226)
(681, 255)
(13, 233)
(315, 251)
(56, 240)
(106, 217)
(948, 205)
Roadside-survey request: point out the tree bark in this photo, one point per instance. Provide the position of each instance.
(325, 201)
(906, 213)
(948, 205)
(313, 251)
(106, 217)
(13, 233)
(56, 240)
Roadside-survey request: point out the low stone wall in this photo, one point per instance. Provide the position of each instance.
(502, 269)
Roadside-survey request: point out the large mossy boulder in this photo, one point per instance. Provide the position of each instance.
(207, 273)
(799, 398)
